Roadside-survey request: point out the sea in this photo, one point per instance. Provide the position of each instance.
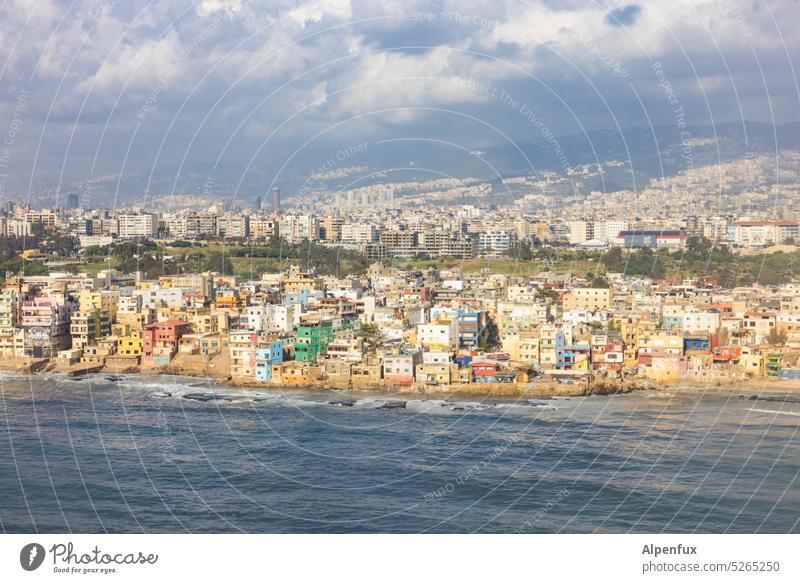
(162, 454)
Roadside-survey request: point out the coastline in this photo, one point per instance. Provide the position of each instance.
(205, 369)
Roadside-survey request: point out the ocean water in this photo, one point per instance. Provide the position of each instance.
(175, 454)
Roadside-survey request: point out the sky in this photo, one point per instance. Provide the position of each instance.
(90, 88)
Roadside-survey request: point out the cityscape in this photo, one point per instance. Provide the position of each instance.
(440, 288)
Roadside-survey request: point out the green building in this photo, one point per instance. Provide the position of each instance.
(772, 364)
(314, 338)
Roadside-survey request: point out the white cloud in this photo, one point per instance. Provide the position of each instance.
(208, 7)
(314, 11)
(127, 49)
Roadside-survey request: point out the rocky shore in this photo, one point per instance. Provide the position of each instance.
(217, 370)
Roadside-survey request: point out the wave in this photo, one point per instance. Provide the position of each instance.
(218, 396)
(192, 391)
(776, 412)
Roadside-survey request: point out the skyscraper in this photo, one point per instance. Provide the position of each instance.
(73, 201)
(257, 203)
(276, 198)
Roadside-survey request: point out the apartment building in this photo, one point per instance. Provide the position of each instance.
(140, 225)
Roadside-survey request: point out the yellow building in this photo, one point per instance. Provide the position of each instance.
(302, 281)
(661, 355)
(630, 330)
(105, 300)
(522, 348)
(751, 362)
(130, 344)
(32, 254)
(587, 298)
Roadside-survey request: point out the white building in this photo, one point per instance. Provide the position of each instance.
(440, 335)
(233, 226)
(495, 242)
(137, 225)
(359, 233)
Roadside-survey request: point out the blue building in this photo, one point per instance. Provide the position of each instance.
(573, 356)
(471, 325)
(296, 297)
(696, 343)
(267, 356)
(652, 239)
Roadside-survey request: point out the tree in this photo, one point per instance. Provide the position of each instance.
(520, 251)
(548, 292)
(613, 258)
(776, 338)
(491, 336)
(698, 247)
(371, 333)
(219, 261)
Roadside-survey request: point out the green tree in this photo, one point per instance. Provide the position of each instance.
(520, 251)
(613, 258)
(371, 333)
(697, 247)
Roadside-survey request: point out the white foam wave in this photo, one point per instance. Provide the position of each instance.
(776, 412)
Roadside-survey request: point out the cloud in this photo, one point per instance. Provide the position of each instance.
(625, 16)
(314, 11)
(235, 70)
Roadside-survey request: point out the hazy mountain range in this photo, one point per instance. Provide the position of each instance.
(646, 152)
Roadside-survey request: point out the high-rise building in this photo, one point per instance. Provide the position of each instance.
(276, 198)
(137, 225)
(73, 201)
(256, 205)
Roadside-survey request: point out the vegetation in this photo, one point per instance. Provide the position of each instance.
(371, 334)
(490, 339)
(700, 258)
(520, 251)
(55, 245)
(776, 338)
(238, 259)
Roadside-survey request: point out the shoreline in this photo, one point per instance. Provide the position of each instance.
(502, 390)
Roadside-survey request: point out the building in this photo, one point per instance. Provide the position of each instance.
(45, 322)
(665, 239)
(263, 228)
(358, 233)
(398, 369)
(276, 199)
(591, 299)
(757, 233)
(87, 326)
(160, 340)
(233, 226)
(137, 225)
(496, 242)
(312, 339)
(439, 335)
(267, 356)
